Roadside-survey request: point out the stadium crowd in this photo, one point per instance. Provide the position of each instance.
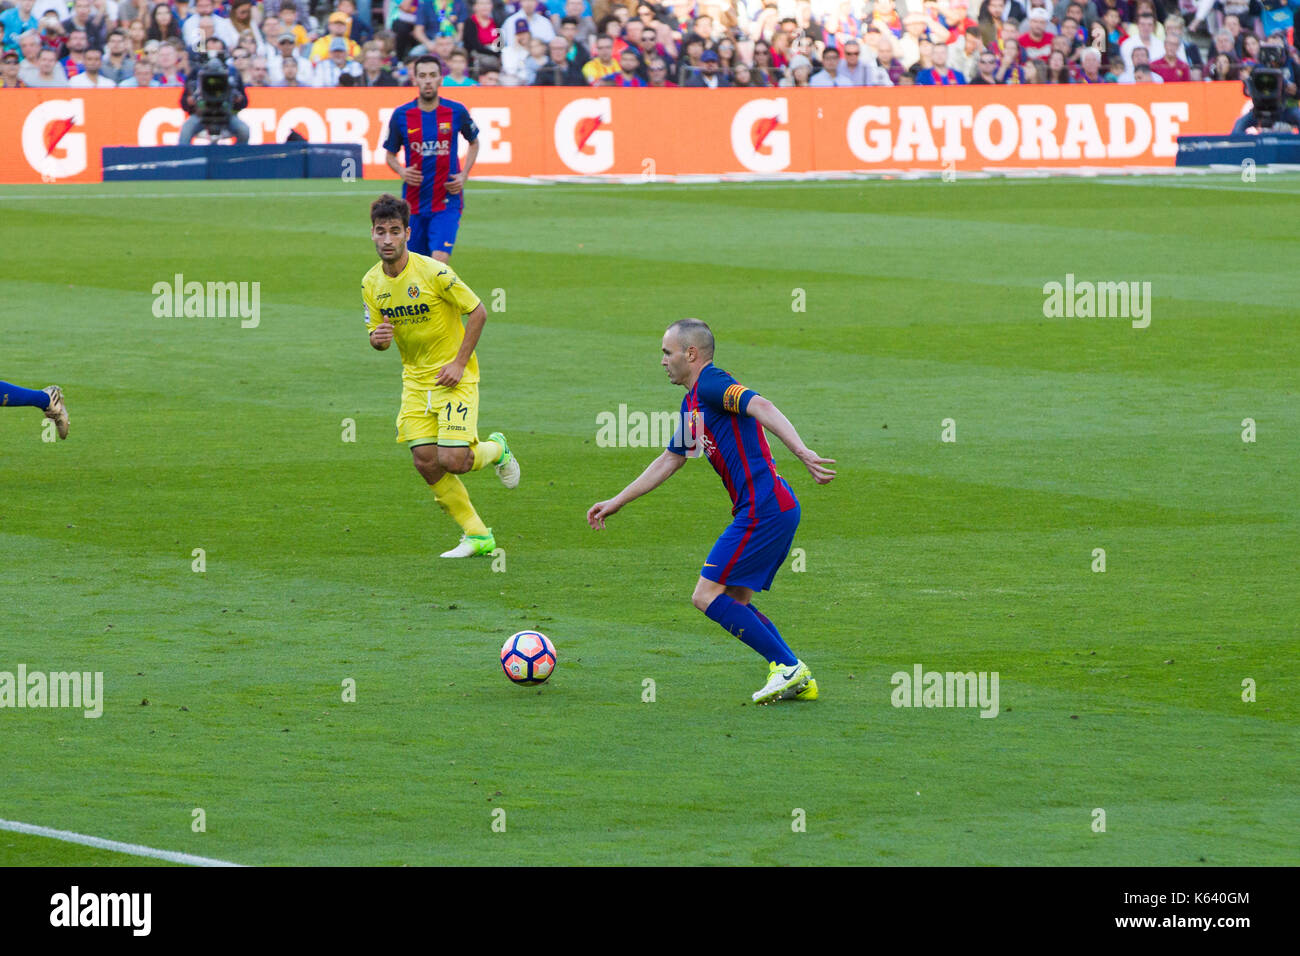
(634, 43)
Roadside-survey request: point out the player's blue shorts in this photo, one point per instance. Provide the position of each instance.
(435, 232)
(749, 553)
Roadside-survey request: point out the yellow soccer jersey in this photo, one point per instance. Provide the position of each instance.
(425, 303)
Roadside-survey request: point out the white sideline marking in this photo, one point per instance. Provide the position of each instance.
(67, 836)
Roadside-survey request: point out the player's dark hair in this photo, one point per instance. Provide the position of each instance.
(427, 58)
(696, 333)
(389, 206)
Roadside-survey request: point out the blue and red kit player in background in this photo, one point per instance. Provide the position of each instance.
(428, 129)
(725, 420)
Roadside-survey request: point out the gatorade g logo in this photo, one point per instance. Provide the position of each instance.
(582, 140)
(50, 145)
(755, 139)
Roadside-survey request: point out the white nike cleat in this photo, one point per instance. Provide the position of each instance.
(783, 681)
(507, 466)
(56, 411)
(472, 545)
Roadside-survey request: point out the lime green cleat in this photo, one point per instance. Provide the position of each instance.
(507, 465)
(783, 682)
(809, 692)
(473, 544)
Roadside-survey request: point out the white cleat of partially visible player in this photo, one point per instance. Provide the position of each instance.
(507, 466)
(56, 412)
(783, 682)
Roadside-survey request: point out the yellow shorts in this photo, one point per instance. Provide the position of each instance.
(438, 415)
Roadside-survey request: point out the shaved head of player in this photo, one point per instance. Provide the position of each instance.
(725, 421)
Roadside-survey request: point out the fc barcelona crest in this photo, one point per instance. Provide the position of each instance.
(413, 291)
(444, 127)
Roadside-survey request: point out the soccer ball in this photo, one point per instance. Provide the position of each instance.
(528, 657)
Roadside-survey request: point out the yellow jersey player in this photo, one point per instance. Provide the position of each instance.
(418, 302)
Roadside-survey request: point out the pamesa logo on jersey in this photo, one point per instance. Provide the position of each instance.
(409, 312)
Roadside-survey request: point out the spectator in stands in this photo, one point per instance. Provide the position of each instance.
(17, 21)
(116, 65)
(584, 27)
(136, 38)
(708, 74)
(241, 18)
(91, 78)
(987, 66)
(629, 66)
(855, 69)
(83, 18)
(1140, 58)
(1189, 52)
(337, 26)
(1146, 38)
(1036, 41)
(1142, 74)
(538, 25)
(1250, 49)
(1170, 68)
(515, 68)
(141, 75)
(372, 68)
(886, 58)
(650, 46)
(491, 74)
(939, 73)
(1225, 44)
(742, 75)
(1222, 68)
(799, 72)
(190, 28)
(482, 36)
(286, 49)
(1090, 67)
(48, 72)
(457, 70)
(29, 46)
(964, 55)
(602, 64)
(1057, 70)
(559, 69)
(828, 75)
(289, 14)
(9, 71)
(259, 73)
(330, 71)
(763, 72)
(728, 55)
(658, 70)
(1009, 68)
(908, 46)
(52, 33)
(578, 55)
(990, 21)
(288, 69)
(443, 45)
(359, 28)
(75, 52)
(166, 65)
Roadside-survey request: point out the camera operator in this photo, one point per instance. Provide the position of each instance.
(1269, 86)
(213, 95)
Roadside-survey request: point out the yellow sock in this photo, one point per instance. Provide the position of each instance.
(485, 453)
(452, 498)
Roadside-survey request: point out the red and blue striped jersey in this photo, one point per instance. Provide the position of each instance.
(429, 138)
(714, 421)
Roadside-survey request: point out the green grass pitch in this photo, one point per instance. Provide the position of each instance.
(1120, 691)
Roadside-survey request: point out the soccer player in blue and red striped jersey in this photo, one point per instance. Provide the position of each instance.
(428, 129)
(726, 421)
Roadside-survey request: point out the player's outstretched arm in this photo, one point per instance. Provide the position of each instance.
(770, 417)
(659, 471)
